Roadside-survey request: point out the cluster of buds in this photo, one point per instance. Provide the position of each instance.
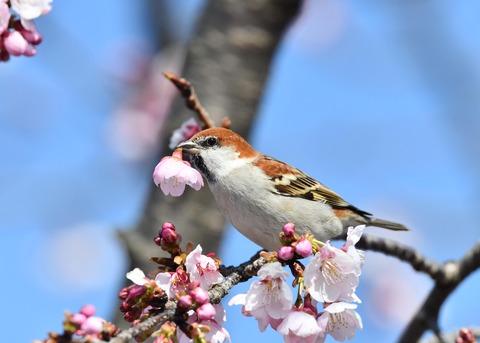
(198, 298)
(294, 245)
(185, 278)
(18, 35)
(140, 297)
(86, 325)
(168, 239)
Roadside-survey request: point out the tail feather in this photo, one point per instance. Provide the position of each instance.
(386, 224)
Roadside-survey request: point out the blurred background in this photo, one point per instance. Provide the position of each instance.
(379, 100)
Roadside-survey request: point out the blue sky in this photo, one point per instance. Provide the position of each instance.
(352, 100)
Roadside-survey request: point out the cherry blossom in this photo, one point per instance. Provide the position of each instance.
(137, 276)
(173, 283)
(217, 333)
(268, 300)
(185, 132)
(353, 236)
(202, 268)
(331, 275)
(299, 327)
(31, 9)
(340, 320)
(172, 174)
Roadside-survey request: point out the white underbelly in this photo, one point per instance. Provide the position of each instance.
(261, 220)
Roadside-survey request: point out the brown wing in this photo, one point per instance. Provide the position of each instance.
(290, 181)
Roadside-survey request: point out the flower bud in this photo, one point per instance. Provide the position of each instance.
(93, 325)
(185, 301)
(31, 35)
(158, 241)
(168, 225)
(199, 295)
(465, 336)
(78, 319)
(137, 291)
(285, 253)
(88, 310)
(169, 235)
(15, 44)
(124, 306)
(123, 294)
(289, 229)
(206, 312)
(303, 247)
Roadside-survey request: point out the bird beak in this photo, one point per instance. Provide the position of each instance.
(189, 147)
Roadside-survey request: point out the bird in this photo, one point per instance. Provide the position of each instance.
(259, 194)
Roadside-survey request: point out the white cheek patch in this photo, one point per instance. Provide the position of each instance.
(222, 161)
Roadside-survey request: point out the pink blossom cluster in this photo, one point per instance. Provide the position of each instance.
(187, 284)
(85, 324)
(330, 279)
(18, 35)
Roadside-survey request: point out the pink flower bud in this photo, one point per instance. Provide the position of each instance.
(31, 34)
(285, 253)
(30, 51)
(158, 241)
(303, 247)
(465, 336)
(289, 229)
(185, 301)
(206, 312)
(168, 225)
(123, 294)
(137, 291)
(200, 295)
(93, 325)
(169, 236)
(88, 310)
(15, 44)
(78, 319)
(124, 306)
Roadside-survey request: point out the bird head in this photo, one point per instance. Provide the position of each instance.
(216, 152)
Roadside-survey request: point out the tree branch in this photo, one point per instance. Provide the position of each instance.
(404, 253)
(453, 274)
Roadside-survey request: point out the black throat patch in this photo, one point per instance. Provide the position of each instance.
(199, 164)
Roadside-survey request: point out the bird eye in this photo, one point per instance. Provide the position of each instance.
(211, 141)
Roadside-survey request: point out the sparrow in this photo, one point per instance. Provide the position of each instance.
(258, 194)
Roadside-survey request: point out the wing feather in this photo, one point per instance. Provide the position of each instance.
(292, 182)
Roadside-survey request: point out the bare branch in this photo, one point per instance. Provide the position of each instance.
(404, 253)
(453, 274)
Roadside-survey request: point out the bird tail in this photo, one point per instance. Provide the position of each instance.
(386, 224)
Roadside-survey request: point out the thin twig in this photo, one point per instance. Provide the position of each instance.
(191, 100)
